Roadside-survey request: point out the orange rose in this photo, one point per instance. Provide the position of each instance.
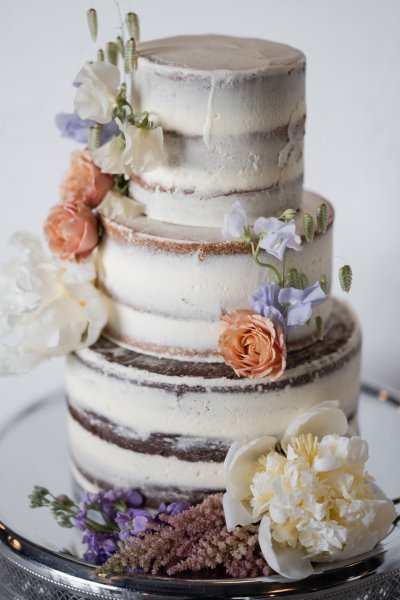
(253, 346)
(72, 231)
(84, 182)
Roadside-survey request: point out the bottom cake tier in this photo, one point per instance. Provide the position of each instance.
(164, 426)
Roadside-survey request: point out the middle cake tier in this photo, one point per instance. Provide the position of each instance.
(169, 286)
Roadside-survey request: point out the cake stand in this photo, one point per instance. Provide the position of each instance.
(38, 559)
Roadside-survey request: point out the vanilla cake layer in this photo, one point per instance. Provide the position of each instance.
(168, 286)
(233, 113)
(164, 426)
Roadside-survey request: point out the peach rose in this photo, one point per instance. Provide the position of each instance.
(253, 346)
(72, 231)
(84, 182)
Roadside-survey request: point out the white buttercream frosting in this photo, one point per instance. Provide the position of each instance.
(170, 301)
(233, 115)
(144, 402)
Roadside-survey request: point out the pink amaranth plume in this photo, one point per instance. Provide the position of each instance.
(192, 541)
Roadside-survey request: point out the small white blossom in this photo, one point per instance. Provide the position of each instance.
(117, 207)
(144, 148)
(316, 502)
(98, 89)
(47, 307)
(109, 157)
(235, 222)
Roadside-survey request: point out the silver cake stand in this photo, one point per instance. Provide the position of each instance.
(38, 560)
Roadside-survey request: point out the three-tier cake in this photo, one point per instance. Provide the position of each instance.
(153, 405)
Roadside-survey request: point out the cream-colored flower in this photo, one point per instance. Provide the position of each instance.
(109, 157)
(144, 148)
(119, 208)
(47, 307)
(97, 92)
(312, 494)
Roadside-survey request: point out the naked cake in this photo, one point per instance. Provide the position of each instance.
(153, 405)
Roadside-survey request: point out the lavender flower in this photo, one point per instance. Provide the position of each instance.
(107, 503)
(235, 222)
(300, 303)
(276, 236)
(265, 302)
(132, 523)
(72, 126)
(100, 546)
(173, 509)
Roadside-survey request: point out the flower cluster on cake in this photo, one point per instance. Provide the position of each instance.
(211, 377)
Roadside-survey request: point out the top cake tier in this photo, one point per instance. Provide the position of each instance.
(233, 113)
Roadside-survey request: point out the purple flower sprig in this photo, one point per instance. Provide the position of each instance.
(72, 126)
(289, 307)
(273, 235)
(106, 519)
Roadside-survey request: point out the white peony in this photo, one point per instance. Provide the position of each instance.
(98, 89)
(109, 157)
(144, 148)
(315, 501)
(47, 307)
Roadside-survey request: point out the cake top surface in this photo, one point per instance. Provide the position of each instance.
(220, 52)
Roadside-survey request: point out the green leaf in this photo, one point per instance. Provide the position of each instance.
(293, 279)
(322, 217)
(319, 323)
(120, 45)
(130, 55)
(346, 278)
(92, 23)
(288, 215)
(94, 136)
(133, 25)
(112, 53)
(323, 282)
(303, 281)
(308, 225)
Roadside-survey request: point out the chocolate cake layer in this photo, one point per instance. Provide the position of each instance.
(138, 421)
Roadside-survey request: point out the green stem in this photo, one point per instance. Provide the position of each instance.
(94, 526)
(260, 263)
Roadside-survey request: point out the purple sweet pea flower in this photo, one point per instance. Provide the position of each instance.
(133, 522)
(72, 126)
(173, 509)
(301, 303)
(265, 302)
(276, 236)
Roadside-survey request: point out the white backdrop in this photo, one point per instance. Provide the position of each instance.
(352, 143)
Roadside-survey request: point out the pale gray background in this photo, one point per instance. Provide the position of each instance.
(352, 144)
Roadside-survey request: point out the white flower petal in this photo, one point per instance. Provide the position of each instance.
(109, 157)
(241, 465)
(97, 92)
(48, 307)
(322, 419)
(235, 222)
(144, 150)
(117, 207)
(236, 512)
(286, 561)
